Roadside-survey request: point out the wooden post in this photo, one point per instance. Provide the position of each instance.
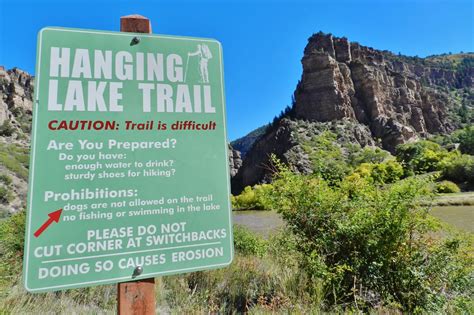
(136, 297)
(135, 24)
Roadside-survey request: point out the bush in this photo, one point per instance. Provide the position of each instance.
(6, 129)
(466, 140)
(251, 198)
(420, 157)
(381, 173)
(12, 236)
(327, 158)
(459, 168)
(7, 180)
(5, 195)
(249, 243)
(372, 246)
(446, 187)
(15, 159)
(357, 155)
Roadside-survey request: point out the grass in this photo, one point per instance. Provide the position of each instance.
(249, 284)
(92, 300)
(15, 159)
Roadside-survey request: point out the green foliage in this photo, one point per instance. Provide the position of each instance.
(358, 155)
(466, 140)
(15, 159)
(12, 235)
(420, 157)
(458, 168)
(6, 129)
(386, 172)
(446, 187)
(249, 243)
(5, 195)
(251, 198)
(4, 178)
(371, 246)
(466, 114)
(248, 285)
(22, 118)
(327, 157)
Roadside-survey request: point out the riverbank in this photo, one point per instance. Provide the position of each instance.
(456, 199)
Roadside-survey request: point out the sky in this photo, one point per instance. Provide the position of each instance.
(263, 41)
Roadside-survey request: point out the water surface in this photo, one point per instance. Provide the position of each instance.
(262, 222)
(461, 217)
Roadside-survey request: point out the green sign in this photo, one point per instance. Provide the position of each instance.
(129, 174)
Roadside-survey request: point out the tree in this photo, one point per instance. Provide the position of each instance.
(466, 140)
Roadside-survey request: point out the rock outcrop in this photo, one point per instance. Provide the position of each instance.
(16, 103)
(394, 96)
(286, 140)
(235, 161)
(387, 100)
(245, 143)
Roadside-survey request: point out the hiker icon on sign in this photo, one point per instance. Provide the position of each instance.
(204, 54)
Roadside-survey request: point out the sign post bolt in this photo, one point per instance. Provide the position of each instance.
(138, 271)
(135, 41)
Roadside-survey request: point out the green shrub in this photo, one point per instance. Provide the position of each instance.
(420, 157)
(358, 155)
(466, 140)
(6, 129)
(4, 178)
(446, 187)
(380, 173)
(372, 246)
(12, 236)
(459, 168)
(15, 159)
(251, 198)
(248, 243)
(5, 195)
(327, 157)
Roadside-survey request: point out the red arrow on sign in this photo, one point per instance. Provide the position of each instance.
(53, 217)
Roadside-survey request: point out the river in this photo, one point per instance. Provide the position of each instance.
(264, 222)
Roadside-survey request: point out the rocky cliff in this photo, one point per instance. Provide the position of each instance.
(235, 161)
(398, 98)
(244, 143)
(386, 99)
(16, 101)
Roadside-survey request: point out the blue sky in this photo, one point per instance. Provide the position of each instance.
(263, 41)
